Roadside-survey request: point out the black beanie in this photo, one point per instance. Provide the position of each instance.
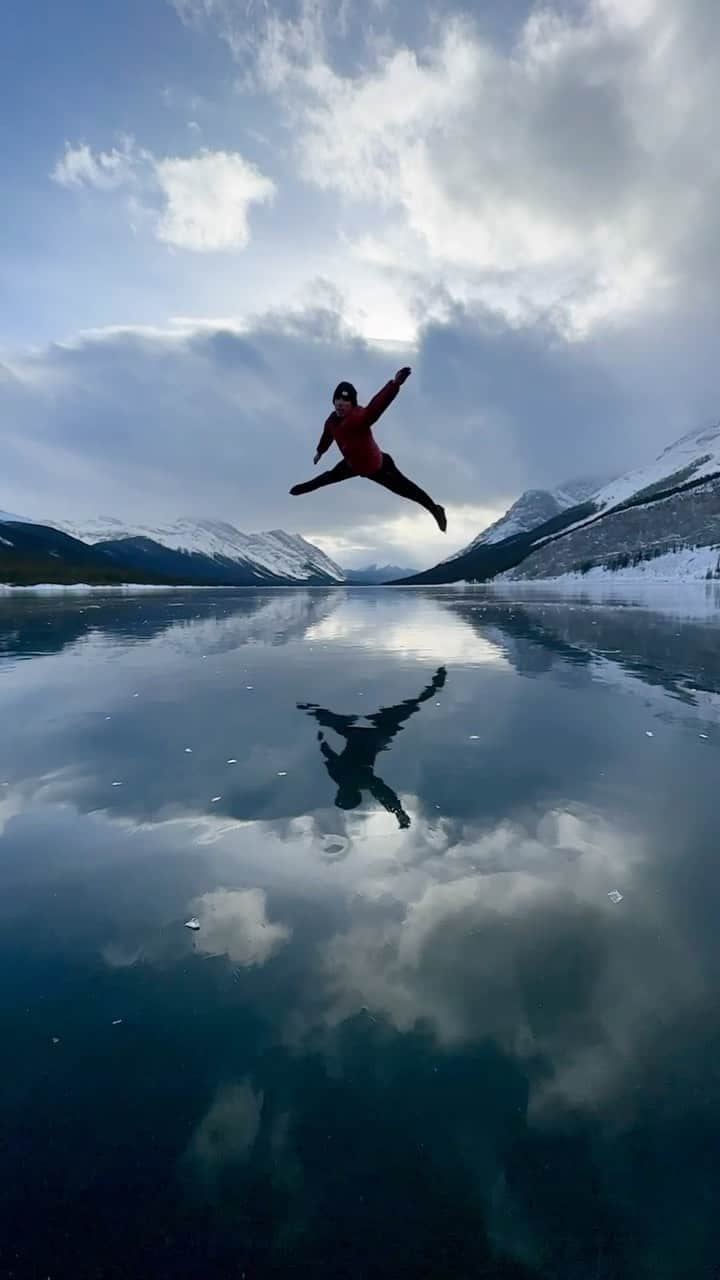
(345, 391)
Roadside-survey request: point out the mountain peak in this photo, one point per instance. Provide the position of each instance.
(698, 435)
(531, 509)
(278, 553)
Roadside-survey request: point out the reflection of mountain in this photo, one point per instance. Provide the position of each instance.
(654, 647)
(48, 624)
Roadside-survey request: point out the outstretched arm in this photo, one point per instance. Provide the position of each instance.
(330, 755)
(389, 719)
(384, 397)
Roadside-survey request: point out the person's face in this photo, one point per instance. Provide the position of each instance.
(342, 407)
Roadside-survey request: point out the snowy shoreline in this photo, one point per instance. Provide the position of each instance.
(687, 566)
(123, 588)
(135, 588)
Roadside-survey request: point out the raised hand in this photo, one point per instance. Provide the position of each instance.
(402, 375)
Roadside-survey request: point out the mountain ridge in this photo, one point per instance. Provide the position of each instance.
(533, 508)
(281, 554)
(207, 553)
(680, 487)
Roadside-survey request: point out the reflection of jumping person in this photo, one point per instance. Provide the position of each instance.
(353, 769)
(350, 426)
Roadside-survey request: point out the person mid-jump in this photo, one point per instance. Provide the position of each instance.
(350, 427)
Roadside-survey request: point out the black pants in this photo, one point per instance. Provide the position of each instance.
(387, 475)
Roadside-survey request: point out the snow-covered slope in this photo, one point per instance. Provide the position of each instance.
(693, 456)
(662, 520)
(284, 554)
(687, 564)
(375, 574)
(532, 509)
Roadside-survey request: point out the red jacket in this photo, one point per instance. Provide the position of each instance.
(353, 433)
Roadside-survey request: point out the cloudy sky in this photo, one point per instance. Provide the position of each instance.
(216, 209)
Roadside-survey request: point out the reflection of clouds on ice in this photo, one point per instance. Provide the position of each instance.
(227, 1133)
(503, 933)
(233, 922)
(334, 847)
(230, 922)
(12, 803)
(444, 850)
(420, 629)
(118, 956)
(508, 937)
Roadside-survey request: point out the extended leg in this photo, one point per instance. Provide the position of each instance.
(341, 472)
(391, 478)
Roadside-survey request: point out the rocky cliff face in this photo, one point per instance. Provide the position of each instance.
(686, 518)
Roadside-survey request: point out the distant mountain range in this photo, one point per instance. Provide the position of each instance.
(33, 553)
(374, 575)
(662, 520)
(215, 546)
(182, 552)
(202, 552)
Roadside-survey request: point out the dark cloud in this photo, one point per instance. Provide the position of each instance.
(146, 424)
(521, 406)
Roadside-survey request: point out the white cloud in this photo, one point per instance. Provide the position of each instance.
(568, 171)
(152, 423)
(410, 538)
(233, 922)
(474, 953)
(227, 1133)
(205, 198)
(104, 170)
(440, 638)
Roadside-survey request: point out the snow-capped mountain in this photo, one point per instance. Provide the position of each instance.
(650, 522)
(376, 574)
(39, 553)
(276, 553)
(684, 564)
(532, 509)
(666, 509)
(693, 456)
